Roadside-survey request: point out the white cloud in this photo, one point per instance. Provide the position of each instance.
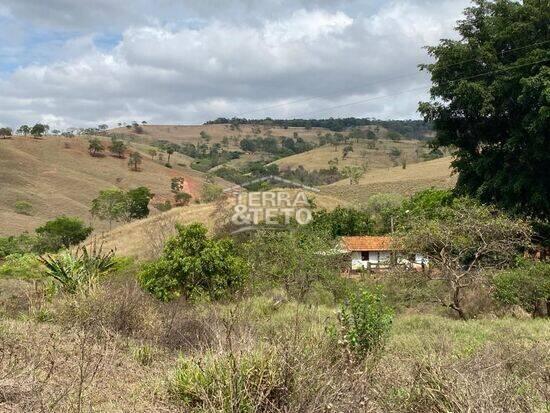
(169, 74)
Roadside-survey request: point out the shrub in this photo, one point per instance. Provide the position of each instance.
(194, 265)
(16, 245)
(23, 207)
(80, 269)
(211, 192)
(527, 286)
(163, 206)
(252, 381)
(24, 266)
(61, 232)
(182, 198)
(365, 322)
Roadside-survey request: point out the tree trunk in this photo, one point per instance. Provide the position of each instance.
(457, 305)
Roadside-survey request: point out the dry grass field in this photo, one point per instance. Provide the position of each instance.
(145, 238)
(414, 178)
(57, 179)
(191, 133)
(319, 158)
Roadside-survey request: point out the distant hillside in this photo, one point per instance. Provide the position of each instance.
(216, 132)
(144, 238)
(57, 176)
(379, 157)
(414, 178)
(412, 129)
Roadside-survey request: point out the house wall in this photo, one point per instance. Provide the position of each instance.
(357, 262)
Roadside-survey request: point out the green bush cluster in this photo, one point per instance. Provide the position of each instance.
(194, 265)
(527, 286)
(54, 235)
(365, 322)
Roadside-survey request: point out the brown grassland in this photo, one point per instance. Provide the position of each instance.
(414, 178)
(58, 176)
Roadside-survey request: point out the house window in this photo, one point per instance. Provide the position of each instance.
(372, 256)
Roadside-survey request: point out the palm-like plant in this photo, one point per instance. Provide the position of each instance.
(78, 269)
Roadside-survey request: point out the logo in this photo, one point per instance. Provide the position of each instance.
(275, 209)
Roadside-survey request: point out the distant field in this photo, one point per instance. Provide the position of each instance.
(414, 178)
(319, 158)
(191, 133)
(58, 180)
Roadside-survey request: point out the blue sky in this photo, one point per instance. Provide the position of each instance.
(80, 63)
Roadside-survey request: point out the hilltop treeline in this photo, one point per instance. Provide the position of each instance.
(414, 129)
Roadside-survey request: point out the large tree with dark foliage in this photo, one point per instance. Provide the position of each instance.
(490, 99)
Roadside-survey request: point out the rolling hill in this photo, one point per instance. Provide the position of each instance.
(57, 176)
(414, 178)
(144, 238)
(319, 158)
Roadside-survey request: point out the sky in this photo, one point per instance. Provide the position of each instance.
(80, 63)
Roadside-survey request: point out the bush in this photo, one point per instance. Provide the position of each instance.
(527, 286)
(194, 265)
(24, 266)
(23, 207)
(251, 382)
(61, 232)
(16, 245)
(365, 322)
(211, 192)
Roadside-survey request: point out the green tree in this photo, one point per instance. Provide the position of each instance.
(110, 205)
(353, 173)
(62, 232)
(293, 260)
(346, 150)
(169, 151)
(152, 153)
(24, 130)
(194, 265)
(365, 322)
(137, 202)
(393, 135)
(95, 147)
(5, 132)
(134, 160)
(118, 147)
(342, 221)
(39, 129)
(490, 99)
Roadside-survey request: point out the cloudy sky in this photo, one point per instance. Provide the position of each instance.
(83, 62)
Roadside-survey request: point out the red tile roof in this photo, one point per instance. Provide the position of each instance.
(367, 243)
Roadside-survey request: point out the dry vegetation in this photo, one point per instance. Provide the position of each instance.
(414, 178)
(116, 349)
(145, 238)
(319, 158)
(57, 176)
(190, 133)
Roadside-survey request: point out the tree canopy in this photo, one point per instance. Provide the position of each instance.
(490, 99)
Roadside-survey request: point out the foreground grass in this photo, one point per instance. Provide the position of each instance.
(119, 350)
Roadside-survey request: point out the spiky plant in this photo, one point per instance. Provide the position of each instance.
(78, 269)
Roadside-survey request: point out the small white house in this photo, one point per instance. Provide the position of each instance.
(368, 252)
